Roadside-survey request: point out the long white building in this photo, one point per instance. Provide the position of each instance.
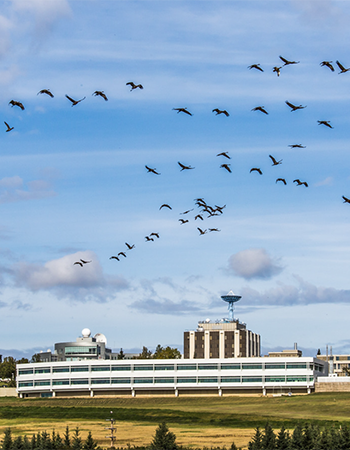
(259, 375)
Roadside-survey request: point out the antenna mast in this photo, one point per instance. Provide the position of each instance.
(113, 431)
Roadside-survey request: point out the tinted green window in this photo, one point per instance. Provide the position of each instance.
(83, 381)
(187, 380)
(100, 381)
(121, 381)
(25, 371)
(42, 370)
(296, 366)
(230, 366)
(186, 367)
(207, 367)
(251, 366)
(164, 380)
(42, 383)
(121, 368)
(230, 380)
(25, 384)
(296, 378)
(164, 367)
(274, 366)
(60, 369)
(251, 379)
(60, 383)
(150, 367)
(100, 368)
(207, 380)
(143, 380)
(275, 379)
(80, 369)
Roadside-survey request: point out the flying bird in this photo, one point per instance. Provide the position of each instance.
(183, 221)
(134, 86)
(165, 205)
(201, 232)
(327, 64)
(255, 66)
(47, 92)
(8, 127)
(198, 216)
(256, 169)
(115, 257)
(221, 111)
(130, 247)
(74, 102)
(227, 167)
(225, 154)
(277, 70)
(183, 167)
(286, 62)
(186, 212)
(296, 146)
(342, 68)
(78, 263)
(294, 107)
(346, 200)
(100, 94)
(155, 234)
(150, 170)
(122, 254)
(214, 229)
(184, 110)
(300, 183)
(274, 161)
(148, 239)
(16, 103)
(325, 122)
(281, 179)
(260, 108)
(85, 262)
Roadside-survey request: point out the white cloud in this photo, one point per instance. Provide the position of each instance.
(254, 263)
(10, 190)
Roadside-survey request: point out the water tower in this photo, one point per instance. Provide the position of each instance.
(231, 299)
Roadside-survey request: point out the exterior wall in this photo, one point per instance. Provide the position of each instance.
(340, 363)
(170, 377)
(333, 384)
(8, 392)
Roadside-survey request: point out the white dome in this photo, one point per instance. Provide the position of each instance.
(86, 332)
(101, 338)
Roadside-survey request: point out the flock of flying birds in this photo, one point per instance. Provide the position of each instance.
(205, 210)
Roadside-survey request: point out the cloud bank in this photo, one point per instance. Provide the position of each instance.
(254, 263)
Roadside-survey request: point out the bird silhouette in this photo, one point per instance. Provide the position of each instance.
(327, 64)
(130, 247)
(227, 167)
(78, 263)
(286, 62)
(134, 86)
(325, 122)
(186, 212)
(225, 154)
(183, 167)
(8, 127)
(296, 146)
(277, 70)
(300, 183)
(74, 102)
(201, 232)
(184, 110)
(256, 169)
(100, 94)
(342, 68)
(274, 161)
(47, 92)
(16, 103)
(165, 205)
(148, 239)
(155, 234)
(183, 221)
(198, 216)
(150, 170)
(221, 111)
(122, 254)
(281, 179)
(85, 262)
(115, 257)
(255, 66)
(294, 107)
(260, 108)
(346, 200)
(213, 229)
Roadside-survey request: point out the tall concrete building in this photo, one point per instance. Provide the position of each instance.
(225, 338)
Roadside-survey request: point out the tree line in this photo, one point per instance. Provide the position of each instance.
(305, 436)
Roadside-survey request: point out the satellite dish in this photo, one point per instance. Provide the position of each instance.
(86, 333)
(207, 320)
(101, 338)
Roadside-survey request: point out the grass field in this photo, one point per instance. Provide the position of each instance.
(196, 421)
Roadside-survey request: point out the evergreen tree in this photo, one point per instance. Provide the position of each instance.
(26, 443)
(90, 443)
(256, 440)
(233, 446)
(163, 439)
(344, 438)
(308, 438)
(45, 441)
(283, 441)
(66, 440)
(77, 443)
(121, 354)
(33, 442)
(324, 441)
(7, 441)
(297, 438)
(268, 441)
(334, 439)
(17, 443)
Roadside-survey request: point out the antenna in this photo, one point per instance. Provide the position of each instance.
(231, 299)
(113, 430)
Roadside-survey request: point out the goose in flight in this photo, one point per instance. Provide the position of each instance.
(294, 107)
(186, 212)
(155, 234)
(325, 122)
(100, 94)
(327, 64)
(115, 257)
(255, 66)
(47, 92)
(296, 146)
(149, 239)
(165, 205)
(214, 229)
(183, 167)
(342, 68)
(130, 247)
(8, 127)
(134, 86)
(277, 70)
(260, 108)
(201, 232)
(274, 161)
(286, 62)
(256, 169)
(346, 200)
(300, 183)
(198, 216)
(85, 262)
(183, 221)
(150, 170)
(74, 102)
(281, 179)
(78, 263)
(225, 154)
(221, 111)
(122, 254)
(184, 110)
(227, 167)
(16, 103)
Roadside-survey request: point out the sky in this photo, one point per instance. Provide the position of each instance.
(74, 183)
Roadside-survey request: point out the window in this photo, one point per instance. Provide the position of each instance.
(60, 369)
(80, 369)
(275, 379)
(143, 380)
(230, 366)
(187, 380)
(296, 365)
(46, 394)
(207, 379)
(230, 380)
(164, 380)
(42, 370)
(186, 367)
(100, 368)
(101, 381)
(150, 367)
(121, 381)
(25, 384)
(121, 368)
(275, 366)
(207, 367)
(296, 379)
(252, 379)
(164, 367)
(26, 371)
(80, 350)
(42, 383)
(81, 381)
(60, 383)
(251, 366)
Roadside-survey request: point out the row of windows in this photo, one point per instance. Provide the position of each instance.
(151, 367)
(151, 380)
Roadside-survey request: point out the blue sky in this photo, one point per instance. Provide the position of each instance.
(73, 182)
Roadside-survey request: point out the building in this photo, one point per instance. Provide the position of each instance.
(295, 353)
(225, 338)
(338, 364)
